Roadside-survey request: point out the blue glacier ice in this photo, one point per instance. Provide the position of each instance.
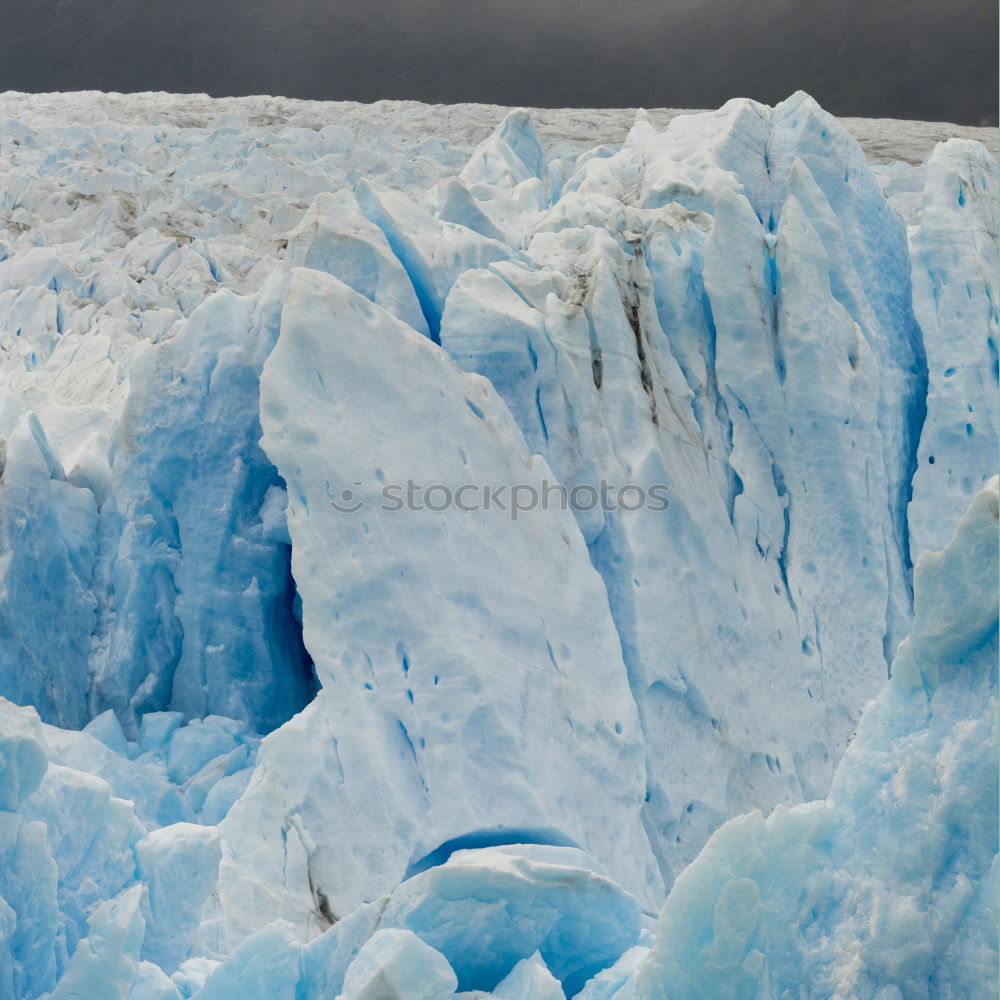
(886, 888)
(306, 693)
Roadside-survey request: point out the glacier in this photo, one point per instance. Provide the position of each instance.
(452, 552)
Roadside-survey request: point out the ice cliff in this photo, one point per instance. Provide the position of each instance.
(532, 569)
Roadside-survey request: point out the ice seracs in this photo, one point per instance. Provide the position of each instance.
(304, 734)
(684, 294)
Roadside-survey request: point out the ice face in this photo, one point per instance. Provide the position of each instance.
(688, 289)
(202, 620)
(23, 753)
(409, 708)
(49, 537)
(882, 889)
(955, 284)
(501, 732)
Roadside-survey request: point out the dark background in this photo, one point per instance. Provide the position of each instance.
(877, 58)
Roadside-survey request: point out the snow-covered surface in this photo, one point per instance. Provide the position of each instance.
(462, 125)
(497, 736)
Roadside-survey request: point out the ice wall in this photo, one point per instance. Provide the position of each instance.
(497, 736)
